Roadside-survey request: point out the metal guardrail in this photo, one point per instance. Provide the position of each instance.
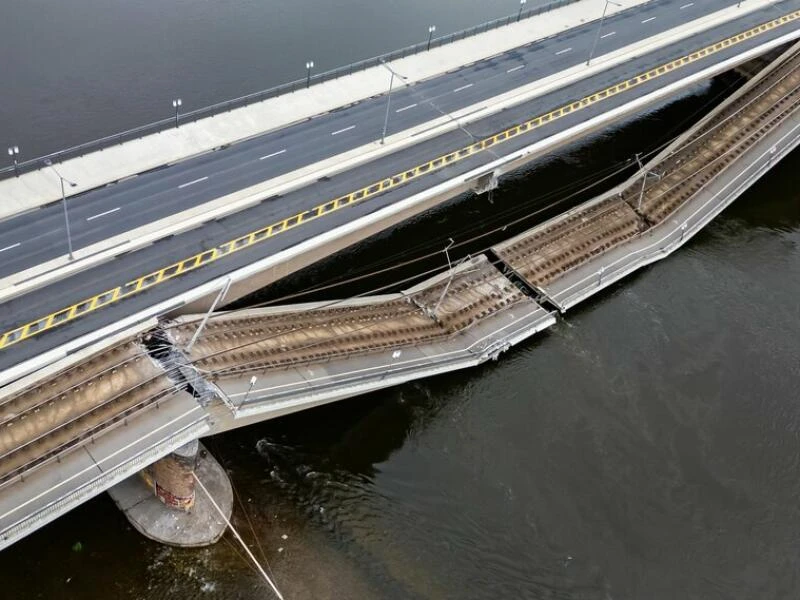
(285, 88)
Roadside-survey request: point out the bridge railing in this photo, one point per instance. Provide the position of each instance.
(285, 88)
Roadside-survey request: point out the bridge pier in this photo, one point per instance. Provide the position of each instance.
(163, 503)
(172, 477)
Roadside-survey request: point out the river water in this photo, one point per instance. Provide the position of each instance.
(646, 447)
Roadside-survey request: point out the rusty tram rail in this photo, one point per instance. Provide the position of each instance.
(275, 340)
(41, 424)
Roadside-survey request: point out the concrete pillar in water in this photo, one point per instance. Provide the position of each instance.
(163, 503)
(172, 477)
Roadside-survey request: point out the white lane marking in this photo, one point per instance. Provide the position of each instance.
(343, 130)
(463, 87)
(648, 20)
(11, 247)
(273, 154)
(405, 107)
(608, 35)
(102, 214)
(515, 69)
(687, 5)
(183, 185)
(563, 51)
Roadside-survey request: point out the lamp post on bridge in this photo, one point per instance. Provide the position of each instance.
(644, 180)
(521, 6)
(309, 66)
(253, 380)
(431, 31)
(217, 300)
(13, 152)
(49, 163)
(600, 29)
(176, 104)
(389, 97)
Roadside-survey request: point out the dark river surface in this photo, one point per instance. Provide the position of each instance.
(646, 447)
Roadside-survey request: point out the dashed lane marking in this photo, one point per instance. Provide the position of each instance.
(102, 214)
(183, 185)
(273, 154)
(343, 130)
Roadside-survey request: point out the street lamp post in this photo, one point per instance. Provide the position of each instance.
(13, 152)
(49, 163)
(521, 6)
(309, 66)
(389, 98)
(176, 104)
(253, 380)
(217, 300)
(431, 30)
(644, 180)
(600, 29)
(388, 105)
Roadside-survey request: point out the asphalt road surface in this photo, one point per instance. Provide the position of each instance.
(38, 236)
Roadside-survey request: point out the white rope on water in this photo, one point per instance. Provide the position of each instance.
(238, 537)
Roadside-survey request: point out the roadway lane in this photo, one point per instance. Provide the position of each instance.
(46, 300)
(34, 238)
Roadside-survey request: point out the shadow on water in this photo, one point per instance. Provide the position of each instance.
(771, 210)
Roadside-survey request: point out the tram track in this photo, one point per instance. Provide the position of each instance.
(277, 340)
(75, 405)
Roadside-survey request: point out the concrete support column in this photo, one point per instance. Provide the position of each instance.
(172, 477)
(161, 503)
